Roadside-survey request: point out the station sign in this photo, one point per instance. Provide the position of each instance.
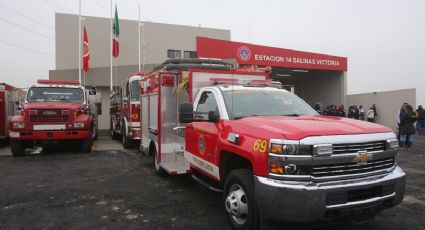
(251, 54)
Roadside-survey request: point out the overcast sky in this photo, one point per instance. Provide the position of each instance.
(384, 40)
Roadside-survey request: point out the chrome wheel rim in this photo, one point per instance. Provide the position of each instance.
(236, 204)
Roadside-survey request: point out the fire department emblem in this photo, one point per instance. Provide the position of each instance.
(201, 145)
(244, 53)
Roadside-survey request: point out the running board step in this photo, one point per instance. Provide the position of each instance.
(207, 184)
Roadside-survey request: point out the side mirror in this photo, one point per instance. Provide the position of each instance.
(186, 113)
(20, 108)
(213, 117)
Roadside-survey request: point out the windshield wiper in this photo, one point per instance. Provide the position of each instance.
(292, 115)
(243, 116)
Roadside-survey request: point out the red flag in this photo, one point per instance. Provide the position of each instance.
(116, 30)
(86, 52)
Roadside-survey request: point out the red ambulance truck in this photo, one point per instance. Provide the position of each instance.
(273, 157)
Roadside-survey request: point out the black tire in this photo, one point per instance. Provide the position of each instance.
(239, 198)
(114, 135)
(17, 148)
(86, 145)
(127, 143)
(46, 149)
(95, 131)
(158, 170)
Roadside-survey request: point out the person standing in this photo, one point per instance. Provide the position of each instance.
(374, 112)
(356, 112)
(420, 123)
(407, 129)
(361, 113)
(399, 114)
(370, 115)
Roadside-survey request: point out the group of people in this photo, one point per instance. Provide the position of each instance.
(406, 118)
(354, 112)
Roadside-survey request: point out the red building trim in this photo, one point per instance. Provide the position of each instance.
(251, 54)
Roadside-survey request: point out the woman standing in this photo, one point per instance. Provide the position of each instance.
(370, 115)
(406, 127)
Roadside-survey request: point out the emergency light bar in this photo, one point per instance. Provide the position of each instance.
(232, 81)
(58, 82)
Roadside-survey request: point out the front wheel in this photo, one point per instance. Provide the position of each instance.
(239, 200)
(86, 145)
(126, 142)
(114, 135)
(17, 148)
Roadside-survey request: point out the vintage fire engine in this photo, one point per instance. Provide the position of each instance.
(125, 111)
(55, 111)
(7, 107)
(273, 157)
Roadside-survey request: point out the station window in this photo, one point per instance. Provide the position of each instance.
(174, 54)
(189, 54)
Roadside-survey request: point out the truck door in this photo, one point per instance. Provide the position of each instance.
(202, 136)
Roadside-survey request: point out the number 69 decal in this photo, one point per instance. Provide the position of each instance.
(260, 146)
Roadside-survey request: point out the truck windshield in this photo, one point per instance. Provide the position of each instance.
(134, 91)
(42, 94)
(253, 102)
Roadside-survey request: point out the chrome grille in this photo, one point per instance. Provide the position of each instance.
(355, 147)
(49, 116)
(344, 169)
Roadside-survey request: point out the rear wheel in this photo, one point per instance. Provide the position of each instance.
(158, 170)
(86, 145)
(17, 147)
(239, 200)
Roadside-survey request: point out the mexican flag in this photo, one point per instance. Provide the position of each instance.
(86, 51)
(116, 31)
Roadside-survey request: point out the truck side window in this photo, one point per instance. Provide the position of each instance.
(207, 103)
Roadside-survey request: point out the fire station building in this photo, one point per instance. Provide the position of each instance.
(312, 76)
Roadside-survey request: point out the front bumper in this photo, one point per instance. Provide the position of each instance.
(46, 135)
(279, 200)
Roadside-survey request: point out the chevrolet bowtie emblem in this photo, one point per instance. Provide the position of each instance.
(362, 156)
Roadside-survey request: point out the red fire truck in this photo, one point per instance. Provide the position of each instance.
(125, 111)
(273, 157)
(7, 107)
(54, 111)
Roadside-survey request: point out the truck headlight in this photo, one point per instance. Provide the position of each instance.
(290, 148)
(392, 144)
(18, 125)
(79, 124)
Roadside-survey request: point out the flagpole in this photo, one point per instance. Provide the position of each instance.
(138, 25)
(111, 50)
(79, 41)
(143, 47)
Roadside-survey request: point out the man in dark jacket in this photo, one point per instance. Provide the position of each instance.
(407, 118)
(420, 123)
